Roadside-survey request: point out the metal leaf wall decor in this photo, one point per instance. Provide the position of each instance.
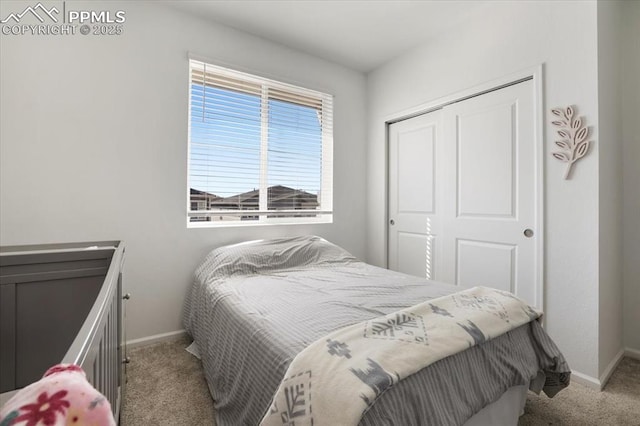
(573, 133)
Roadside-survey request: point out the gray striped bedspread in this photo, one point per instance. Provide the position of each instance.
(253, 307)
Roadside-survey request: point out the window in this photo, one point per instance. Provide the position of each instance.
(260, 151)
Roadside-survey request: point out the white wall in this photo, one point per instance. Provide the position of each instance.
(609, 136)
(506, 37)
(630, 86)
(93, 133)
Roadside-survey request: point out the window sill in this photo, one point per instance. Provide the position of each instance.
(263, 222)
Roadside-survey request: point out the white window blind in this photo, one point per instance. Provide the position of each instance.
(260, 151)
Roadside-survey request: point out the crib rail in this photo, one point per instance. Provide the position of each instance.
(99, 345)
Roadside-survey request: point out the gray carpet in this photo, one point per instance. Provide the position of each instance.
(166, 386)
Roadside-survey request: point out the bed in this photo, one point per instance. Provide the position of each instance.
(62, 303)
(254, 306)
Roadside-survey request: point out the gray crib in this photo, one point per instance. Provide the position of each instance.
(63, 303)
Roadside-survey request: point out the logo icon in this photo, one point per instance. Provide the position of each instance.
(38, 11)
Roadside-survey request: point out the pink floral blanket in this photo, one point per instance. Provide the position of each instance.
(62, 397)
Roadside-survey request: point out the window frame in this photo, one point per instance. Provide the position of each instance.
(324, 212)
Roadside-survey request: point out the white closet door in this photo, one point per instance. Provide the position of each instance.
(489, 217)
(414, 225)
(462, 193)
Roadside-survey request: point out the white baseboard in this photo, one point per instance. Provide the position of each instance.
(598, 384)
(150, 340)
(606, 374)
(585, 380)
(632, 353)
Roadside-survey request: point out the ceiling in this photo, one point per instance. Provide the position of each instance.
(359, 34)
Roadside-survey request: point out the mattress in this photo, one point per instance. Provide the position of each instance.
(254, 306)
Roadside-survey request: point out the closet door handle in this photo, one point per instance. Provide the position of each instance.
(392, 222)
(528, 233)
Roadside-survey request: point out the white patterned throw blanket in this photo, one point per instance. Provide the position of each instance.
(337, 378)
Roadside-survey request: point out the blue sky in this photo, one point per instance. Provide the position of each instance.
(225, 149)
